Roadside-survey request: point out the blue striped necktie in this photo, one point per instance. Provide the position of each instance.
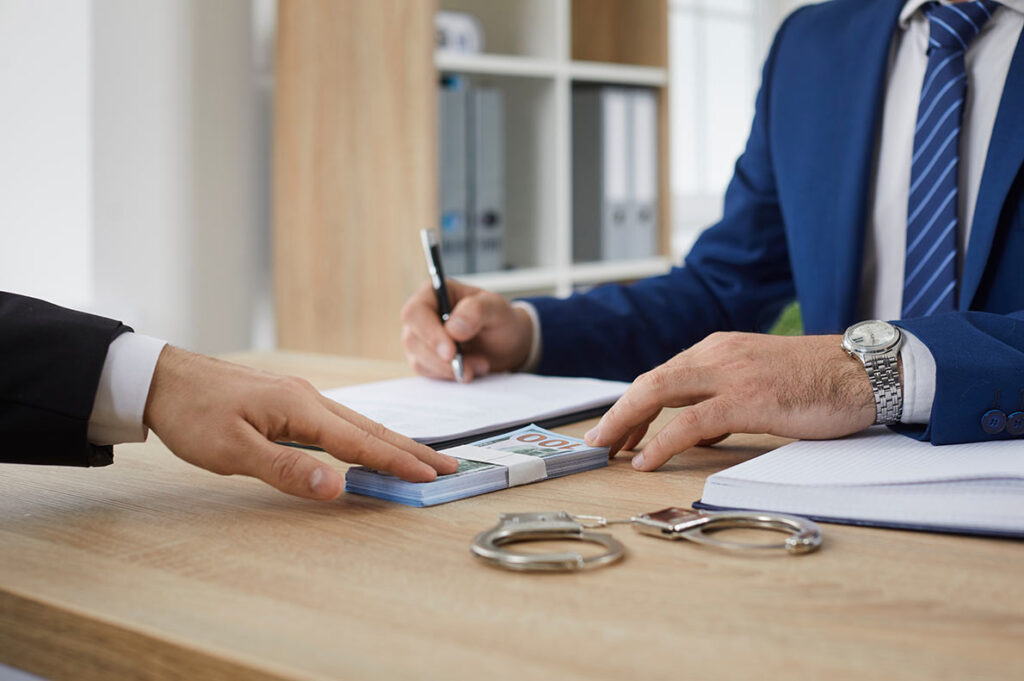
(929, 279)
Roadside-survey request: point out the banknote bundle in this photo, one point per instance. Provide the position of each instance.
(491, 464)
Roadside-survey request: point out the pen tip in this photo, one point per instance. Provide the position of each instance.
(458, 369)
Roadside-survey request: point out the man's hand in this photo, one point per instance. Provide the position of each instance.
(227, 419)
(494, 335)
(803, 387)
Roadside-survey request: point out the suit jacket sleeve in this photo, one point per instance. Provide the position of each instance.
(979, 365)
(736, 277)
(52, 359)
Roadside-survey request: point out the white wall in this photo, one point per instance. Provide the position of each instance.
(716, 50)
(134, 187)
(45, 150)
(176, 235)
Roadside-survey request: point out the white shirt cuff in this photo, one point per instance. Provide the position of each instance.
(918, 380)
(123, 390)
(532, 359)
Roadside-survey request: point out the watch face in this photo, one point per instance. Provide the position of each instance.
(872, 335)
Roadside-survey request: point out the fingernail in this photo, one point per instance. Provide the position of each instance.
(481, 369)
(638, 462)
(316, 480)
(456, 325)
(444, 351)
(593, 436)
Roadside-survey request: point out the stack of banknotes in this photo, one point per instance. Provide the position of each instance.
(562, 455)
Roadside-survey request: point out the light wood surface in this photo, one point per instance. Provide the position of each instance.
(355, 170)
(153, 569)
(620, 31)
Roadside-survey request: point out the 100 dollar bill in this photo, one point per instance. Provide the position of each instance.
(531, 440)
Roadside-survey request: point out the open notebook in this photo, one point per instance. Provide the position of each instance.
(881, 478)
(445, 413)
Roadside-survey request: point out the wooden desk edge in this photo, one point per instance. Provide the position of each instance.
(60, 643)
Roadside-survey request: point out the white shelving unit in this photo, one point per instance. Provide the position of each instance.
(528, 55)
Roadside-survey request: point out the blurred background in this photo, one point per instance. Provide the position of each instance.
(142, 167)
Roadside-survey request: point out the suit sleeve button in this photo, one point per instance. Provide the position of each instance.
(1015, 423)
(993, 421)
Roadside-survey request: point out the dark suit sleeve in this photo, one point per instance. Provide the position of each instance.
(52, 358)
(736, 277)
(979, 365)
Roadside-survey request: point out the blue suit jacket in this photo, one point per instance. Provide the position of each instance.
(793, 228)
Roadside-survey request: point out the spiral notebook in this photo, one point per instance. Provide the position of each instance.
(884, 479)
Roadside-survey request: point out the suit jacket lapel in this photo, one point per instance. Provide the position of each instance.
(1003, 162)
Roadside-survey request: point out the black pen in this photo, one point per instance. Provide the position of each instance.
(432, 252)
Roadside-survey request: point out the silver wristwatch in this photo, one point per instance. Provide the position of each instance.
(877, 345)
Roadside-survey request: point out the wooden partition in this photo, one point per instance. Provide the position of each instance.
(354, 170)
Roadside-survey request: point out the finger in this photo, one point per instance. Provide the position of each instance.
(346, 442)
(471, 314)
(476, 366)
(420, 316)
(702, 421)
(426, 362)
(666, 386)
(637, 435)
(291, 470)
(423, 359)
(641, 403)
(614, 449)
(441, 463)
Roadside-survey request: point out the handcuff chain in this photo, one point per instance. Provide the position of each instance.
(595, 521)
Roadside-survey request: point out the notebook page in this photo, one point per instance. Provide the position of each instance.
(879, 456)
(431, 411)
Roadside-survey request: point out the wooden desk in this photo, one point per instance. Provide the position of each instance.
(151, 568)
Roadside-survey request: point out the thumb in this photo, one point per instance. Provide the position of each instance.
(474, 313)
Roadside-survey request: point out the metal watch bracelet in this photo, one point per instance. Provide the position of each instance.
(884, 374)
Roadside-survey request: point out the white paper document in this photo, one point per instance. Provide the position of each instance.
(431, 411)
(884, 478)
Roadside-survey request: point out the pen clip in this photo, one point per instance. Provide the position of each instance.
(432, 254)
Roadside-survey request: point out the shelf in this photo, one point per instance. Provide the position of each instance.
(513, 281)
(538, 278)
(619, 74)
(529, 28)
(496, 64)
(532, 67)
(624, 270)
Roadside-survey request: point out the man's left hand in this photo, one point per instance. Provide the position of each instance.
(801, 387)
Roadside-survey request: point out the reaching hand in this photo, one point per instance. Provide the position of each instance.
(228, 418)
(494, 335)
(804, 387)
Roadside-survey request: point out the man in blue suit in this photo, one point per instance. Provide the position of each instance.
(882, 179)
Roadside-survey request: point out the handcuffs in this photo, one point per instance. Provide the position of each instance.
(669, 523)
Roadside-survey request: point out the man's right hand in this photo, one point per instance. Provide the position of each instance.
(494, 335)
(229, 419)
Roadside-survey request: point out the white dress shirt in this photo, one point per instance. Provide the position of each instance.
(988, 62)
